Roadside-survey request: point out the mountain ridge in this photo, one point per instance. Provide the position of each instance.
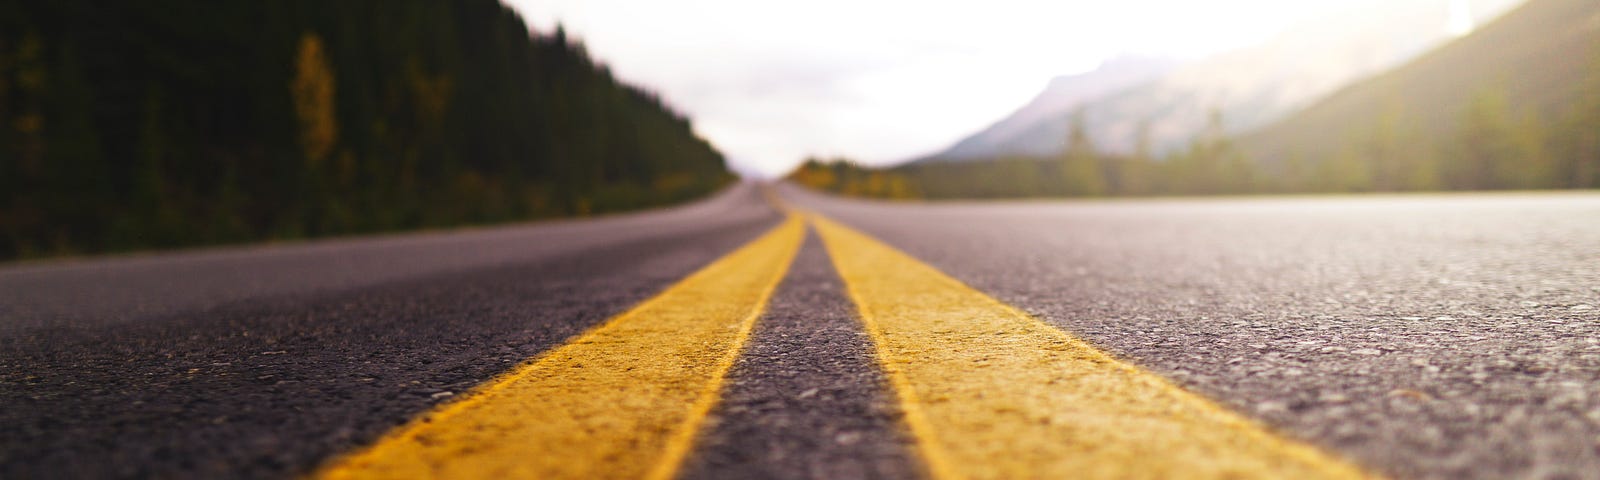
(1533, 72)
(1061, 94)
(1250, 87)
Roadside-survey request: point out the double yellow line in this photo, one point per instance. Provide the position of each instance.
(987, 391)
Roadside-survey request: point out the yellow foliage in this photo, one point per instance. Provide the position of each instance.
(845, 177)
(28, 124)
(899, 188)
(815, 176)
(313, 91)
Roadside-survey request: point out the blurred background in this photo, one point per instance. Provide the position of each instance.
(165, 123)
(134, 125)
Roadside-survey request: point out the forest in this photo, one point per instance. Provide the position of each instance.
(167, 123)
(1493, 146)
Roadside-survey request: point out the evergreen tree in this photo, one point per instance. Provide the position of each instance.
(1080, 164)
(1575, 141)
(1493, 148)
(1136, 175)
(125, 126)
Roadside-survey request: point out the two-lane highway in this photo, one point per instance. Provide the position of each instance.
(1452, 336)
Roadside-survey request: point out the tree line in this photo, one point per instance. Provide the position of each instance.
(1493, 146)
(164, 123)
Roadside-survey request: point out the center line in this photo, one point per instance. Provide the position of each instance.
(990, 392)
(623, 400)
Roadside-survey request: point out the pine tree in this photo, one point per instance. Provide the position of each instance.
(1493, 148)
(1080, 164)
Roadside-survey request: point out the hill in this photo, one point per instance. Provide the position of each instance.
(1249, 87)
(1525, 75)
(151, 124)
(1514, 105)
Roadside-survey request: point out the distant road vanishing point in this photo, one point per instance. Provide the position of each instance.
(774, 332)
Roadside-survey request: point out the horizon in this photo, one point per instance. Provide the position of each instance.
(781, 93)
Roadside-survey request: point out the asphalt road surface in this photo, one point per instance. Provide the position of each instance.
(1427, 336)
(263, 362)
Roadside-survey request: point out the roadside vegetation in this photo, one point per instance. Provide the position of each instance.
(164, 123)
(1493, 145)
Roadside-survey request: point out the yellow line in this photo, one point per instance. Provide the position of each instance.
(623, 400)
(991, 392)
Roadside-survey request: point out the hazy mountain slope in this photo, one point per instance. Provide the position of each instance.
(1063, 94)
(1249, 87)
(1535, 56)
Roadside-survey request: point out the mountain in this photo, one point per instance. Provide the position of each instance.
(1533, 65)
(1063, 94)
(1512, 105)
(1249, 87)
(159, 123)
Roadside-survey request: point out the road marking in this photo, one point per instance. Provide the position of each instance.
(991, 392)
(623, 400)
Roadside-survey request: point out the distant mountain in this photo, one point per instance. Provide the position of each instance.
(1063, 94)
(1535, 61)
(1514, 104)
(1250, 87)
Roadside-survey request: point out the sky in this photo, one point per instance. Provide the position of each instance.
(770, 83)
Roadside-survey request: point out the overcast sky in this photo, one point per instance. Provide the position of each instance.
(881, 81)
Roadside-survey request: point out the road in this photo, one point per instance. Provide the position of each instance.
(1411, 336)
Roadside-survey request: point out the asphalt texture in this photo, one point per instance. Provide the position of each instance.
(807, 398)
(288, 355)
(1421, 336)
(107, 291)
